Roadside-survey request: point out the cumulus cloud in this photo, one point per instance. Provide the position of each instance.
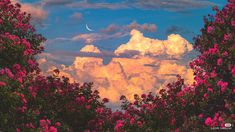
(90, 48)
(141, 73)
(37, 12)
(175, 45)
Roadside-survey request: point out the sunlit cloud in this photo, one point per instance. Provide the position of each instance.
(175, 45)
(137, 74)
(90, 48)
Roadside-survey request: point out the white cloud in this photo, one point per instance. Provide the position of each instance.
(175, 45)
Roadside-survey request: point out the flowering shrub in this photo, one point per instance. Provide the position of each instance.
(32, 102)
(29, 101)
(210, 101)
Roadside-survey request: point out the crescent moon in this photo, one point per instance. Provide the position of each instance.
(88, 28)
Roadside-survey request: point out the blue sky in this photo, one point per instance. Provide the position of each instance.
(184, 17)
(137, 46)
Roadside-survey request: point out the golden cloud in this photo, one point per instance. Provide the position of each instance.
(90, 48)
(139, 74)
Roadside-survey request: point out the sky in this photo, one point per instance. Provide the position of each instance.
(135, 46)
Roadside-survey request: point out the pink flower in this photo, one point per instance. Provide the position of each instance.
(28, 52)
(220, 119)
(233, 71)
(233, 23)
(9, 73)
(225, 54)
(143, 96)
(213, 74)
(105, 100)
(30, 88)
(223, 85)
(222, 125)
(58, 124)
(16, 67)
(81, 99)
(43, 123)
(208, 121)
(2, 71)
(201, 116)
(17, 130)
(219, 62)
(226, 37)
(52, 129)
(119, 125)
(26, 44)
(88, 107)
(132, 121)
(210, 29)
(177, 130)
(2, 84)
(1, 21)
(205, 96)
(139, 123)
(210, 89)
(172, 122)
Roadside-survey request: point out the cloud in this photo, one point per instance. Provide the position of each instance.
(56, 2)
(144, 27)
(180, 30)
(86, 4)
(76, 16)
(136, 74)
(37, 12)
(90, 49)
(113, 31)
(175, 45)
(112, 28)
(92, 37)
(170, 5)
